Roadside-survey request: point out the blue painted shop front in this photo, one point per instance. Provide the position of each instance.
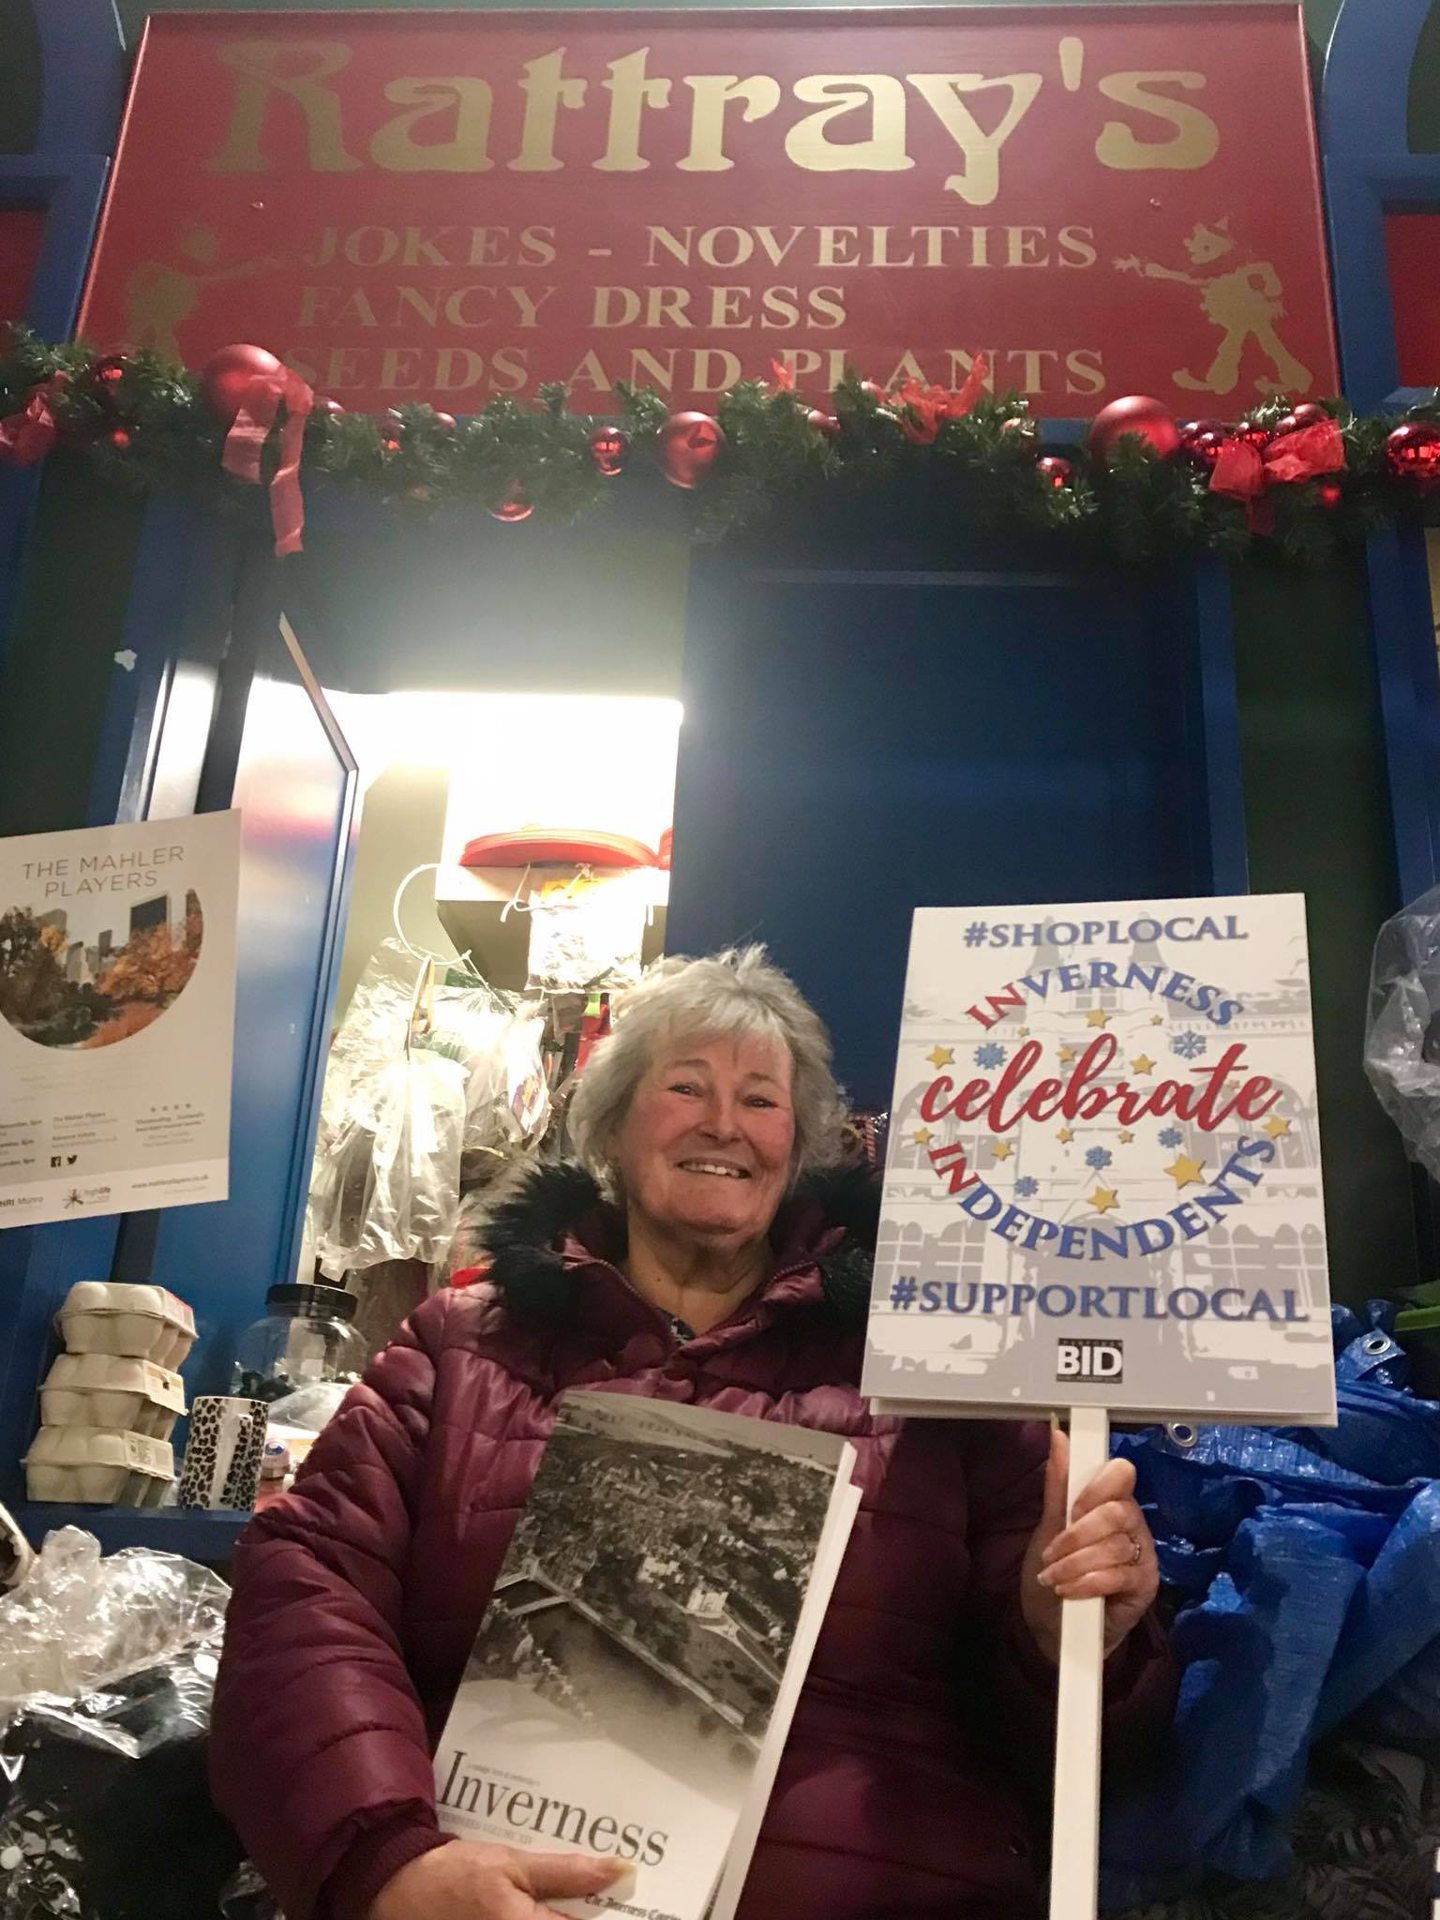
(871, 723)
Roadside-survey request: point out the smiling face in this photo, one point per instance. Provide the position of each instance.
(705, 1147)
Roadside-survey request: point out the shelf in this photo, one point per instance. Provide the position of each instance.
(206, 1537)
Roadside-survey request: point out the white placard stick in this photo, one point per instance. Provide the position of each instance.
(1075, 1844)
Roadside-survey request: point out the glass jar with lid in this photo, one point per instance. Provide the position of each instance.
(306, 1337)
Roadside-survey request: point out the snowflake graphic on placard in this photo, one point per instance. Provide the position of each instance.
(1171, 1137)
(1027, 1186)
(992, 1054)
(1098, 1158)
(1190, 1045)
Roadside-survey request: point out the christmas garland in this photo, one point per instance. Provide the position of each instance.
(1298, 481)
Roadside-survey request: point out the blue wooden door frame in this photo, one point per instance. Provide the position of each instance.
(82, 85)
(1368, 171)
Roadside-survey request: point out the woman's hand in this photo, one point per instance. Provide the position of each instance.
(462, 1881)
(1105, 1551)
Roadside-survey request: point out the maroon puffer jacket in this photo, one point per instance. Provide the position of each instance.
(926, 1716)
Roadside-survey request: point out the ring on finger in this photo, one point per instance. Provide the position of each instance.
(1137, 1552)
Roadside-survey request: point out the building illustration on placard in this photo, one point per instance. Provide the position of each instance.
(1148, 1184)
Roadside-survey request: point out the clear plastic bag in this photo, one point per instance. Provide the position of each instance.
(388, 1184)
(109, 1667)
(80, 1622)
(1402, 1031)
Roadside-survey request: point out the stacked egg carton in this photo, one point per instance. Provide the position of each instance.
(109, 1404)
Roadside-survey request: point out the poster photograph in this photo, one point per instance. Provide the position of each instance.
(117, 998)
(1103, 1182)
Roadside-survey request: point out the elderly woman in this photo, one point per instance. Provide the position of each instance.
(705, 1251)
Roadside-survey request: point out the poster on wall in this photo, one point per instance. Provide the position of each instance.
(455, 206)
(1103, 1181)
(117, 1017)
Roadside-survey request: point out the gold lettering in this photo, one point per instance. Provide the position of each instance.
(457, 301)
(546, 91)
(1034, 379)
(667, 306)
(980, 247)
(528, 306)
(837, 94)
(980, 182)
(935, 238)
(509, 369)
(672, 243)
(466, 103)
(1084, 371)
(727, 307)
(606, 300)
(356, 311)
(827, 308)
(315, 304)
(714, 94)
(424, 247)
(715, 369)
(906, 368)
(457, 367)
(880, 250)
(779, 308)
(737, 242)
(400, 367)
(645, 365)
(1194, 137)
(489, 247)
(424, 306)
(590, 373)
(832, 244)
(260, 64)
(1024, 245)
(1077, 247)
(630, 94)
(537, 247)
(340, 370)
(962, 365)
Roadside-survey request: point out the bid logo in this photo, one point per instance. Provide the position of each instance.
(1090, 1360)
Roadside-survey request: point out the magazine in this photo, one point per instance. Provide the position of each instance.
(636, 1671)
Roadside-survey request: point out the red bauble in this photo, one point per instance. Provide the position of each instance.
(1150, 420)
(513, 508)
(1201, 440)
(1329, 493)
(1412, 453)
(332, 409)
(689, 446)
(610, 450)
(109, 370)
(1254, 434)
(824, 424)
(119, 439)
(446, 422)
(1287, 423)
(877, 394)
(226, 377)
(1054, 471)
(390, 443)
(1310, 413)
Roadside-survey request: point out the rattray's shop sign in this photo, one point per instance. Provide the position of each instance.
(1103, 1180)
(456, 206)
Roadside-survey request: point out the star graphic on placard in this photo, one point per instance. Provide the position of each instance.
(1104, 1199)
(1276, 1128)
(1096, 1017)
(1024, 1032)
(1142, 1063)
(1186, 1172)
(923, 1136)
(1126, 1137)
(1002, 1149)
(1157, 1019)
(1065, 1136)
(1067, 1054)
(941, 1056)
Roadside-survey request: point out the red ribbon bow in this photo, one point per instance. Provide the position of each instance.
(28, 436)
(924, 410)
(1243, 472)
(245, 443)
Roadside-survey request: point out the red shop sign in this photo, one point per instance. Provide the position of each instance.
(453, 206)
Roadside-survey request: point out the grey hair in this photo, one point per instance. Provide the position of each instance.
(727, 996)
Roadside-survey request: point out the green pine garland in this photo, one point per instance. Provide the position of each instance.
(143, 424)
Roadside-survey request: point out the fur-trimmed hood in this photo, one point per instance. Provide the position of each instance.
(540, 1233)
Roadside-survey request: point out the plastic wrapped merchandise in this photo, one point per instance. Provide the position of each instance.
(108, 1668)
(1402, 1031)
(386, 1185)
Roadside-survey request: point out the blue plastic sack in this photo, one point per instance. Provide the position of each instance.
(1306, 1567)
